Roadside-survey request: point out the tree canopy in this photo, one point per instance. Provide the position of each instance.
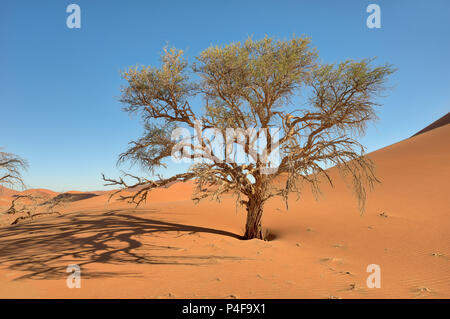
(308, 113)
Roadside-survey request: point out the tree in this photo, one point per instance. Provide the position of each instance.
(252, 89)
(10, 169)
(32, 206)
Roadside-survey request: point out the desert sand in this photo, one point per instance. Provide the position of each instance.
(173, 248)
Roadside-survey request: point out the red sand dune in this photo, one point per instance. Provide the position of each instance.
(39, 192)
(172, 248)
(438, 123)
(7, 192)
(7, 195)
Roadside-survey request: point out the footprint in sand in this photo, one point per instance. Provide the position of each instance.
(332, 259)
(353, 287)
(165, 296)
(342, 272)
(436, 254)
(421, 291)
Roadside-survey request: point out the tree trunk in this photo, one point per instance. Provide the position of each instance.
(253, 228)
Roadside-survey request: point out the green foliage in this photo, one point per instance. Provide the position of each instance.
(347, 92)
(254, 77)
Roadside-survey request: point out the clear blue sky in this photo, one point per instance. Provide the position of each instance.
(59, 86)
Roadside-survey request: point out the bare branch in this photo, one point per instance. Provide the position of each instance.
(10, 169)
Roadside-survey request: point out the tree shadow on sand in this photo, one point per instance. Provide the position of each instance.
(45, 248)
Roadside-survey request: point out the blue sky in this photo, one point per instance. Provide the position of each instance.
(59, 86)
